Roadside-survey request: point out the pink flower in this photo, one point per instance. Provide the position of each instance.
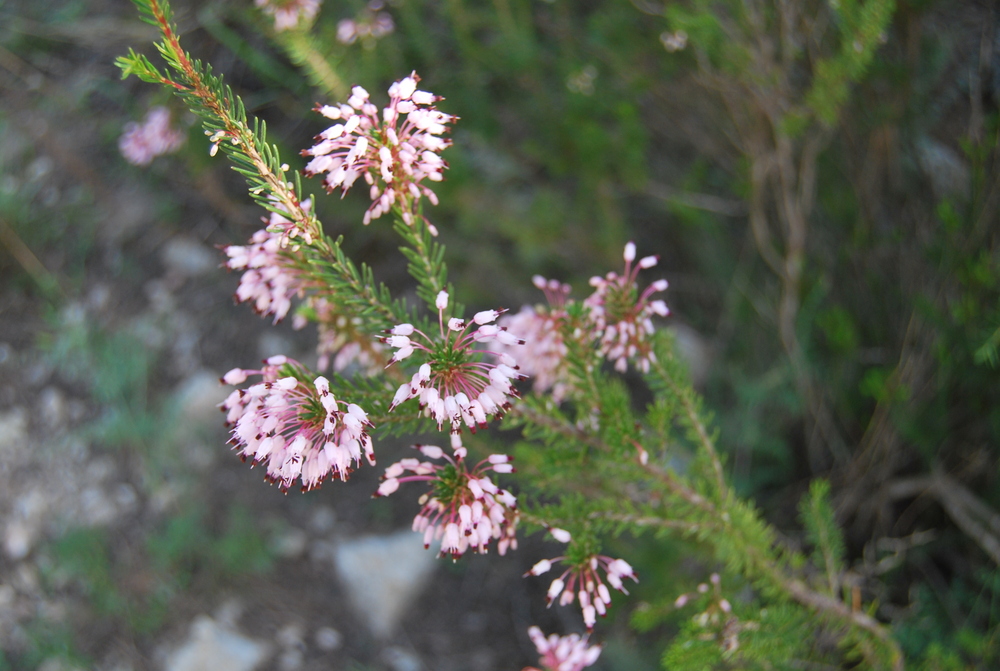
(341, 342)
(583, 580)
(563, 653)
(622, 316)
(373, 23)
(717, 614)
(347, 31)
(141, 143)
(457, 382)
(293, 423)
(463, 509)
(271, 276)
(395, 150)
(289, 13)
(544, 352)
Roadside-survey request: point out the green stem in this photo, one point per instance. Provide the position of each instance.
(718, 520)
(693, 418)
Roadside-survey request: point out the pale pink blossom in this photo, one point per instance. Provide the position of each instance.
(347, 31)
(341, 344)
(622, 316)
(543, 355)
(675, 41)
(288, 14)
(141, 143)
(271, 275)
(456, 380)
(563, 653)
(583, 582)
(373, 23)
(395, 150)
(717, 613)
(292, 422)
(464, 509)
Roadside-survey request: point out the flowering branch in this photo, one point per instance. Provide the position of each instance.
(415, 372)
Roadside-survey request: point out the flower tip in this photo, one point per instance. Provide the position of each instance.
(235, 376)
(441, 302)
(629, 252)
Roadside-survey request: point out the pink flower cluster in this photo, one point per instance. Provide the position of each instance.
(583, 581)
(289, 13)
(374, 23)
(395, 151)
(563, 653)
(340, 344)
(544, 351)
(141, 143)
(464, 509)
(457, 382)
(271, 277)
(622, 316)
(295, 425)
(717, 615)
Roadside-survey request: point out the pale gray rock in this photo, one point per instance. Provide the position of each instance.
(199, 396)
(322, 519)
(134, 208)
(214, 647)
(7, 596)
(18, 539)
(290, 636)
(100, 469)
(188, 257)
(52, 408)
(291, 543)
(13, 431)
(695, 351)
(322, 551)
(272, 343)
(229, 612)
(125, 497)
(947, 170)
(383, 575)
(399, 659)
(290, 660)
(328, 639)
(97, 508)
(24, 526)
(25, 579)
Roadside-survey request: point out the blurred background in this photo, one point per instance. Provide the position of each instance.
(819, 181)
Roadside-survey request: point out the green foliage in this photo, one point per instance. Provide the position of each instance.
(186, 546)
(930, 634)
(822, 532)
(862, 27)
(988, 353)
(184, 549)
(115, 369)
(748, 638)
(84, 555)
(47, 640)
